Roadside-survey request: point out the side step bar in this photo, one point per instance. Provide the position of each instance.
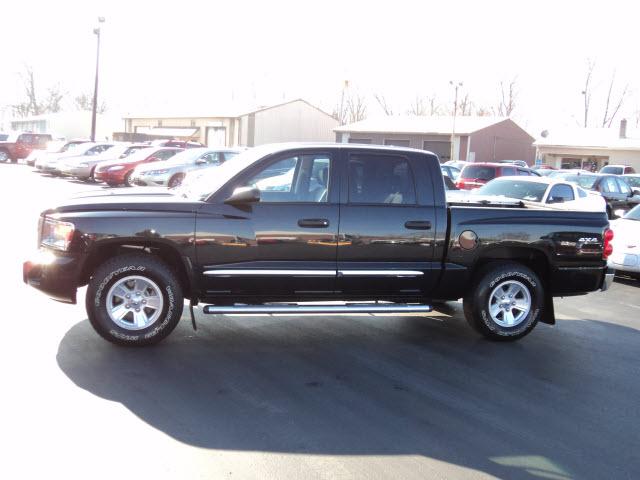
(346, 308)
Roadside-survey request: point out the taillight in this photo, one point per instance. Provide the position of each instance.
(607, 249)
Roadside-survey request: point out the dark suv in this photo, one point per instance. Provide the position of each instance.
(474, 175)
(21, 145)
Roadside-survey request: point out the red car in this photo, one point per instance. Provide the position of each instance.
(474, 175)
(17, 146)
(118, 172)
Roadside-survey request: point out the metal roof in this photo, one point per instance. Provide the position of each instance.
(421, 125)
(590, 138)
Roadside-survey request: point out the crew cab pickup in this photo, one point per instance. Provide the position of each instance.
(19, 146)
(314, 228)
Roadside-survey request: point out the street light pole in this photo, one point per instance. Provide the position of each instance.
(455, 111)
(96, 32)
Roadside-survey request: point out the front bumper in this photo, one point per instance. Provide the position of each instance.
(53, 273)
(608, 279)
(75, 171)
(110, 177)
(625, 261)
(151, 180)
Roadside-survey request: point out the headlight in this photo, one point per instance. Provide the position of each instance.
(116, 168)
(56, 234)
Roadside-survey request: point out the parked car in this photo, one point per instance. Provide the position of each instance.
(615, 190)
(475, 175)
(450, 171)
(53, 148)
(175, 143)
(20, 145)
(120, 172)
(83, 151)
(83, 167)
(617, 169)
(459, 164)
(236, 248)
(633, 180)
(545, 191)
(517, 163)
(170, 173)
(626, 245)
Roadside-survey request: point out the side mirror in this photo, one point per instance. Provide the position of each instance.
(153, 159)
(244, 195)
(201, 161)
(635, 191)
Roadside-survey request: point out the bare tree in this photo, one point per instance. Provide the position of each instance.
(31, 105)
(587, 90)
(418, 107)
(608, 116)
(464, 106)
(356, 108)
(382, 101)
(508, 97)
(84, 101)
(434, 108)
(484, 111)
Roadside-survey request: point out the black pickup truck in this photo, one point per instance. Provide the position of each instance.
(314, 228)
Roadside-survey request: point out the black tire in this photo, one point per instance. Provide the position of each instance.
(127, 179)
(91, 178)
(499, 275)
(112, 184)
(176, 180)
(125, 266)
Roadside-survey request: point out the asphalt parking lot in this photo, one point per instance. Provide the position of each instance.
(382, 396)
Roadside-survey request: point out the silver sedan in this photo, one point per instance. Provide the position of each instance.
(170, 173)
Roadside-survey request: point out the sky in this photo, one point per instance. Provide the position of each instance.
(203, 56)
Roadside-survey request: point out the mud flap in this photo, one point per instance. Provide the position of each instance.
(192, 303)
(549, 314)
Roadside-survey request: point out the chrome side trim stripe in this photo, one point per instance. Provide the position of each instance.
(380, 273)
(312, 273)
(315, 309)
(270, 273)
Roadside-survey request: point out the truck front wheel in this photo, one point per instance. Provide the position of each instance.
(505, 302)
(134, 299)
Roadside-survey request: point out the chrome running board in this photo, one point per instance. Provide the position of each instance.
(345, 308)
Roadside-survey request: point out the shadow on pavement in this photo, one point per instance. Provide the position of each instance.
(561, 403)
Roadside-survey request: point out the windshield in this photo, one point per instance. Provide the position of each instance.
(522, 190)
(3, 136)
(633, 214)
(633, 181)
(202, 186)
(613, 170)
(478, 171)
(585, 181)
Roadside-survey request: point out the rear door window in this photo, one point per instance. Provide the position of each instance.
(480, 172)
(381, 179)
(508, 171)
(562, 191)
(622, 185)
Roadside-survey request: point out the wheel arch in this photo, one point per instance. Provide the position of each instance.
(166, 252)
(532, 258)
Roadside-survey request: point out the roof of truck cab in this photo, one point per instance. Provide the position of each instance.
(275, 147)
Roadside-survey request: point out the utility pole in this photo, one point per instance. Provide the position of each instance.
(456, 85)
(345, 85)
(96, 32)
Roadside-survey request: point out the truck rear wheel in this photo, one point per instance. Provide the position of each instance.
(134, 299)
(506, 301)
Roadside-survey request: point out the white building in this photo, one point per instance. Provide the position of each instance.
(589, 148)
(292, 121)
(68, 125)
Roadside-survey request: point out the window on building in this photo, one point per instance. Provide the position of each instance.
(397, 143)
(380, 179)
(365, 141)
(441, 148)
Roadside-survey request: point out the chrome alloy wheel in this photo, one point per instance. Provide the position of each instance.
(509, 303)
(3, 156)
(134, 303)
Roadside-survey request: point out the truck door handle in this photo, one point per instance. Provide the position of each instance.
(313, 223)
(417, 225)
